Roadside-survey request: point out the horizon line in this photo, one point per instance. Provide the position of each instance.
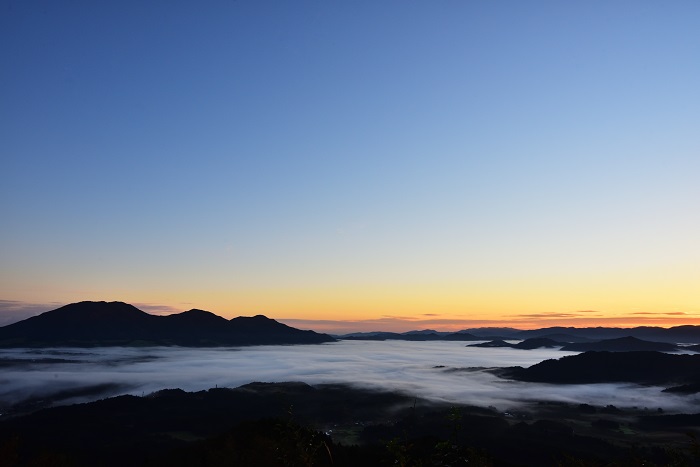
(12, 311)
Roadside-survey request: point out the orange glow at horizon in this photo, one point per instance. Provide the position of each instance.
(453, 307)
(636, 299)
(446, 325)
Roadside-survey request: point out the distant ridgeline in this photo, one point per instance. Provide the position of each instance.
(93, 324)
(548, 337)
(620, 344)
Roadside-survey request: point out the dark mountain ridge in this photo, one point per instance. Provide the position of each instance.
(494, 343)
(527, 344)
(687, 334)
(641, 367)
(254, 425)
(621, 344)
(677, 334)
(91, 324)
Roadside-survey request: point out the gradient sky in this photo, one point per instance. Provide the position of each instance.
(393, 164)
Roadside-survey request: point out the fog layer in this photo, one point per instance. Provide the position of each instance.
(446, 371)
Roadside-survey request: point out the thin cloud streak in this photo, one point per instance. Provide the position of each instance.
(670, 313)
(549, 315)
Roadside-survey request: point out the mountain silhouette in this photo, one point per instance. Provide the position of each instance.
(605, 367)
(527, 344)
(493, 343)
(687, 334)
(621, 344)
(91, 324)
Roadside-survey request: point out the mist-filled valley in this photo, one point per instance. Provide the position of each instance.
(174, 391)
(441, 371)
(344, 403)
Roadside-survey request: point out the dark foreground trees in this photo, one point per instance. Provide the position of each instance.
(294, 424)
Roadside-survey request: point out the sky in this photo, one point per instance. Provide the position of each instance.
(365, 165)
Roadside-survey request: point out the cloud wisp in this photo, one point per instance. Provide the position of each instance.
(445, 371)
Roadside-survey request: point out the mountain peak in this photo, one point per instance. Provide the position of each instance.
(197, 312)
(94, 310)
(117, 323)
(621, 344)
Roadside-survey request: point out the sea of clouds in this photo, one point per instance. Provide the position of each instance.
(444, 371)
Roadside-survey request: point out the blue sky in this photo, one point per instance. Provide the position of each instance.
(351, 160)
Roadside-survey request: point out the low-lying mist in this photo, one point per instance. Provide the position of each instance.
(445, 371)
